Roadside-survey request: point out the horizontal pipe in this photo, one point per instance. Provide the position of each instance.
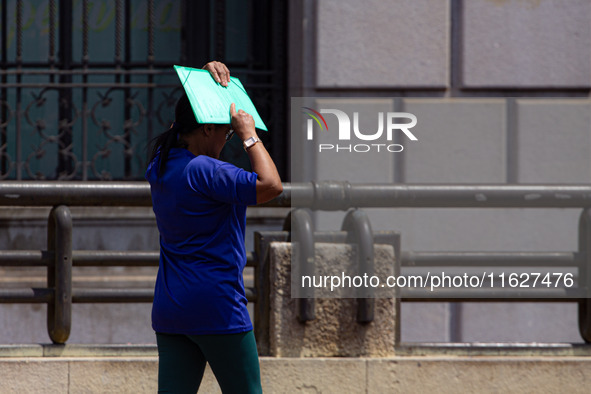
(497, 294)
(26, 296)
(250, 260)
(75, 193)
(90, 258)
(341, 195)
(26, 258)
(112, 295)
(127, 295)
(109, 258)
(494, 259)
(112, 258)
(484, 299)
(33, 193)
(44, 295)
(330, 196)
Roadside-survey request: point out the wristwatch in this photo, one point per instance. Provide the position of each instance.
(249, 142)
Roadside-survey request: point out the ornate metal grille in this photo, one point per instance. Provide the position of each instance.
(85, 85)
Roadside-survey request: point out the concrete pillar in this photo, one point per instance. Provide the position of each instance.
(335, 331)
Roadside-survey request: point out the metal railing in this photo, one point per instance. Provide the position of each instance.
(59, 258)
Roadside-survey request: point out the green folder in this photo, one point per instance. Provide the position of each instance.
(211, 101)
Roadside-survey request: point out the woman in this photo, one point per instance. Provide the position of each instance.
(199, 311)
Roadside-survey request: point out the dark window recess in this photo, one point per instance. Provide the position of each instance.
(85, 85)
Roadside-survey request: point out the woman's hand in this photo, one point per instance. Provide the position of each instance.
(242, 123)
(219, 72)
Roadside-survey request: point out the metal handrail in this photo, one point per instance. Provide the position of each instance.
(329, 196)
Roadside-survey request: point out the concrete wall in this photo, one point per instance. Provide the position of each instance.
(501, 93)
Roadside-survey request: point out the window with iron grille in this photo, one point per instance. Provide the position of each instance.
(85, 85)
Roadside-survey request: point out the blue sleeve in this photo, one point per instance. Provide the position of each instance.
(222, 181)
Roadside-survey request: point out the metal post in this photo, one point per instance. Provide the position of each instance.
(59, 274)
(359, 232)
(299, 224)
(585, 275)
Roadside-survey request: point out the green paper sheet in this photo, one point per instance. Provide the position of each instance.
(211, 101)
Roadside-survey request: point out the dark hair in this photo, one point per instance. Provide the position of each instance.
(184, 123)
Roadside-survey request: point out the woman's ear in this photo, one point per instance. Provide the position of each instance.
(208, 129)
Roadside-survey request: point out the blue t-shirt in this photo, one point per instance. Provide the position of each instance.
(200, 206)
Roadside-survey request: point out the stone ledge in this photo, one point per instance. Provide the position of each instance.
(444, 374)
(534, 349)
(404, 350)
(77, 350)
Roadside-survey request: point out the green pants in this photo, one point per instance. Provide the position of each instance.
(233, 358)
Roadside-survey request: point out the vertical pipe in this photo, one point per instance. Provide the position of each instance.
(59, 275)
(397, 309)
(359, 232)
(302, 238)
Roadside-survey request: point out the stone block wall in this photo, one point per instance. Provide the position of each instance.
(501, 91)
